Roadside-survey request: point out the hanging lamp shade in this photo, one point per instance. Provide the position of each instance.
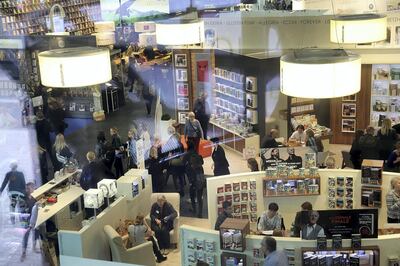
(365, 28)
(317, 73)
(180, 33)
(74, 67)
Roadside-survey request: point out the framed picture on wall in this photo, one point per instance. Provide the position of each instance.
(350, 98)
(182, 116)
(349, 109)
(180, 60)
(182, 89)
(181, 74)
(183, 104)
(349, 125)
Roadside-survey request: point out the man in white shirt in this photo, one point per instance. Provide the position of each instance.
(271, 219)
(299, 134)
(312, 230)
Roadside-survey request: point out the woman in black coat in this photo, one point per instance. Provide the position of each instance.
(221, 165)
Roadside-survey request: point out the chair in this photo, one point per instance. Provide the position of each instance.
(174, 199)
(346, 160)
(141, 254)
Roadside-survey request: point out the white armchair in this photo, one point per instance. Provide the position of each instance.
(141, 254)
(174, 199)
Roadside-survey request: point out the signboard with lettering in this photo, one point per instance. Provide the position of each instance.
(340, 222)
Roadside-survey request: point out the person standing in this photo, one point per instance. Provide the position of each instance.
(193, 131)
(62, 152)
(162, 216)
(393, 201)
(43, 129)
(30, 209)
(195, 172)
(368, 145)
(131, 149)
(355, 152)
(155, 170)
(273, 256)
(148, 97)
(393, 161)
(101, 145)
(311, 141)
(139, 232)
(201, 110)
(226, 213)
(386, 139)
(56, 115)
(220, 163)
(91, 173)
(118, 148)
(16, 183)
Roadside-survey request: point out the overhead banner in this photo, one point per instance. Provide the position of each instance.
(340, 222)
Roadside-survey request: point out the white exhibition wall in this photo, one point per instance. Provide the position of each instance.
(289, 205)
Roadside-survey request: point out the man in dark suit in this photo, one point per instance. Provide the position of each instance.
(227, 213)
(269, 140)
(162, 216)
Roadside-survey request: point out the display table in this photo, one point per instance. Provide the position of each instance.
(234, 141)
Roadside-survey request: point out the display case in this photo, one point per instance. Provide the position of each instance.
(368, 256)
(31, 17)
(385, 93)
(233, 233)
(233, 259)
(293, 186)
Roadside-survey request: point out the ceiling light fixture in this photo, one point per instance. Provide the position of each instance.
(183, 32)
(365, 28)
(314, 73)
(74, 67)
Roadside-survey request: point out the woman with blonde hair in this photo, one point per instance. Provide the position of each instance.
(193, 131)
(61, 152)
(386, 139)
(140, 232)
(393, 201)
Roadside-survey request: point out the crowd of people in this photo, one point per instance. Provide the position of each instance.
(382, 144)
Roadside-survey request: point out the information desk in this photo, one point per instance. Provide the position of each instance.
(52, 184)
(63, 200)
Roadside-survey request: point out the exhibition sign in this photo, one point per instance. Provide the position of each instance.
(296, 157)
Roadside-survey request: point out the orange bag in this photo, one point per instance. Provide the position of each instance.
(205, 147)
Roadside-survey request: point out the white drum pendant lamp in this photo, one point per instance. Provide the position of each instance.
(320, 73)
(184, 33)
(74, 67)
(365, 28)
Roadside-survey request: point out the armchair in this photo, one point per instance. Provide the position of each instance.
(141, 254)
(174, 199)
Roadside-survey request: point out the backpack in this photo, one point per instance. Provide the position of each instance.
(196, 169)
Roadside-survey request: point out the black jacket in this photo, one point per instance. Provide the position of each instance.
(160, 213)
(269, 142)
(220, 162)
(92, 173)
(15, 181)
(368, 145)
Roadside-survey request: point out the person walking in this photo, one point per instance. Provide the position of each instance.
(193, 131)
(201, 110)
(16, 188)
(195, 172)
(220, 163)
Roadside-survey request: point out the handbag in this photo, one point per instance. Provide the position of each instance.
(196, 130)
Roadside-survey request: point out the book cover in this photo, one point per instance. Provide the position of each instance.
(253, 217)
(220, 199)
(253, 207)
(253, 185)
(191, 256)
(236, 186)
(229, 198)
(228, 188)
(253, 196)
(210, 246)
(199, 245)
(322, 260)
(190, 243)
(220, 190)
(210, 259)
(354, 260)
(236, 197)
(236, 209)
(356, 241)
(244, 185)
(349, 181)
(243, 207)
(200, 256)
(336, 241)
(340, 181)
(245, 196)
(321, 243)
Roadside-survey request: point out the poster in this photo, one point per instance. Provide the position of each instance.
(202, 71)
(290, 156)
(344, 222)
